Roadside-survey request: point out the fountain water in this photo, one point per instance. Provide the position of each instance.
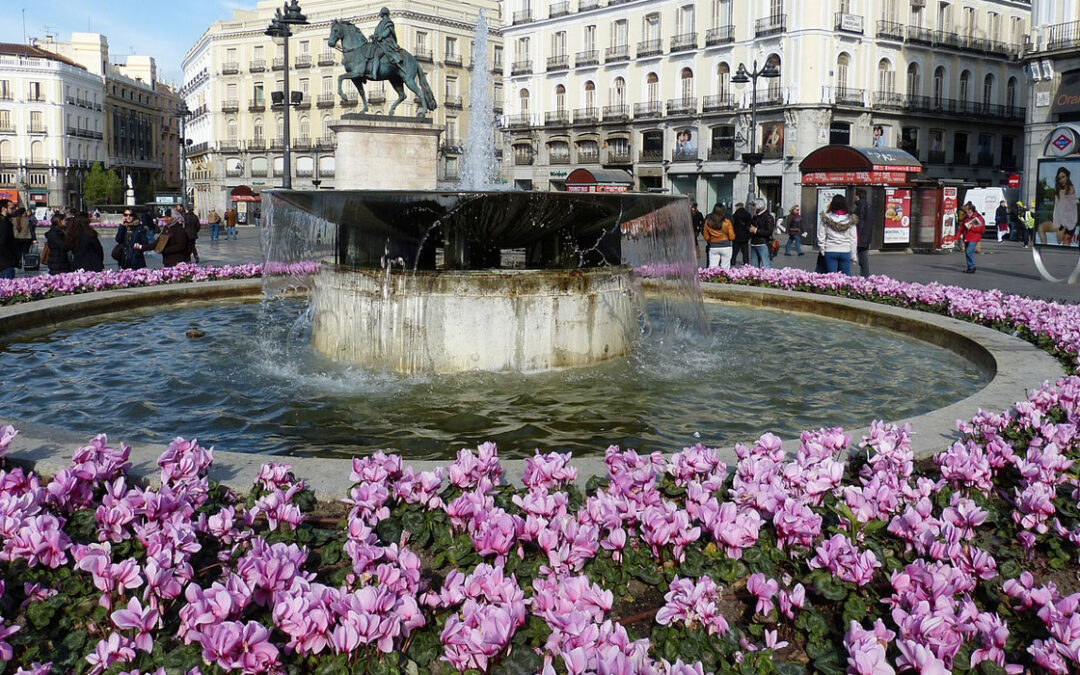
(479, 170)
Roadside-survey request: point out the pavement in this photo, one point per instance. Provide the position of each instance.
(1005, 266)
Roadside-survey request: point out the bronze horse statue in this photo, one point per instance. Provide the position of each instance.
(407, 74)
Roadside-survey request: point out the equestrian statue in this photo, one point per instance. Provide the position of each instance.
(380, 58)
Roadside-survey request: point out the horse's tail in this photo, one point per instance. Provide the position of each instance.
(429, 97)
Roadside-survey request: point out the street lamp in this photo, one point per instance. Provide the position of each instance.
(742, 76)
(279, 30)
(183, 112)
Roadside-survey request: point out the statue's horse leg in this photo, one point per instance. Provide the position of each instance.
(359, 82)
(396, 83)
(408, 77)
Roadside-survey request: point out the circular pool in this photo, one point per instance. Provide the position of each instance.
(252, 384)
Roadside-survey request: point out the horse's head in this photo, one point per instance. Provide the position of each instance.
(348, 35)
(336, 33)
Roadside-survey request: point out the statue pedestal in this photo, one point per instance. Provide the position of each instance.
(376, 152)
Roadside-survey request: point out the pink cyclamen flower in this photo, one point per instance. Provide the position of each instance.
(138, 619)
(764, 590)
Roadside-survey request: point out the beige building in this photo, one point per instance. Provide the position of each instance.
(646, 86)
(231, 71)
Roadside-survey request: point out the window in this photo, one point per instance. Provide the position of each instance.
(970, 24)
(328, 86)
(558, 43)
(939, 85)
(723, 143)
(451, 86)
(965, 85)
(652, 27)
(723, 80)
(560, 98)
(842, 64)
(845, 6)
(652, 87)
(590, 38)
(686, 19)
(886, 77)
(35, 120)
(33, 93)
(305, 87)
(619, 32)
(721, 13)
(618, 92)
(258, 130)
(840, 133)
(1010, 94)
(232, 131)
(944, 21)
(888, 11)
(5, 119)
(421, 42)
(1017, 30)
(776, 9)
(497, 57)
(913, 83)
(559, 151)
(523, 101)
(305, 47)
(774, 82)
(257, 96)
(523, 49)
(995, 26)
(988, 91)
(590, 95)
(451, 47)
(230, 55)
(230, 91)
(686, 78)
(258, 53)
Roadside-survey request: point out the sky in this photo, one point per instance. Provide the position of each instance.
(159, 28)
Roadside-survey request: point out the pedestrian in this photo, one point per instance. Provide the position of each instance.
(9, 248)
(214, 221)
(1001, 220)
(719, 234)
(230, 224)
(837, 236)
(864, 232)
(740, 220)
(1028, 220)
(762, 226)
(56, 255)
(85, 245)
(971, 232)
(192, 225)
(134, 239)
(1016, 225)
(793, 222)
(176, 248)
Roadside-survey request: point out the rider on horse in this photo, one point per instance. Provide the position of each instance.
(384, 40)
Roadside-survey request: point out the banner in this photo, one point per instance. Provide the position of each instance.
(948, 217)
(897, 216)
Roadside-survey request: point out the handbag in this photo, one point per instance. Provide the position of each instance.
(118, 252)
(45, 255)
(161, 243)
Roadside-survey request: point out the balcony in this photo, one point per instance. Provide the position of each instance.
(684, 42)
(327, 59)
(258, 173)
(654, 155)
(620, 157)
(617, 53)
(256, 145)
(770, 25)
(586, 5)
(423, 54)
(302, 143)
(559, 62)
(890, 30)
(229, 146)
(683, 156)
(613, 113)
(559, 9)
(519, 121)
(523, 16)
(557, 118)
(9, 128)
(559, 159)
(770, 97)
(686, 105)
(935, 157)
(586, 116)
(451, 146)
(523, 159)
(496, 68)
(257, 106)
(849, 96)
(588, 156)
(649, 48)
(521, 68)
(888, 100)
(986, 159)
(452, 101)
(961, 159)
(452, 59)
(377, 95)
(351, 100)
(1063, 36)
(6, 95)
(304, 103)
(849, 23)
(278, 63)
(717, 102)
(36, 129)
(230, 105)
(277, 144)
(325, 101)
(648, 109)
(328, 142)
(257, 66)
(302, 61)
(230, 68)
(587, 58)
(719, 36)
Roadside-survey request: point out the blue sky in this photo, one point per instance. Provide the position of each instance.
(162, 29)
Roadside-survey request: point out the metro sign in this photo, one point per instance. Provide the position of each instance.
(1063, 142)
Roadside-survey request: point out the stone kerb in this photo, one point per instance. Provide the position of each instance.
(1014, 364)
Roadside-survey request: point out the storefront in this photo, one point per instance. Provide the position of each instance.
(881, 176)
(245, 202)
(599, 180)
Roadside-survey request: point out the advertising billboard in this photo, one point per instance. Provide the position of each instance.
(897, 216)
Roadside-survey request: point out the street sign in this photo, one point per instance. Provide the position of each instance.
(1014, 180)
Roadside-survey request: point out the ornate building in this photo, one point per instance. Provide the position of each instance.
(233, 69)
(647, 86)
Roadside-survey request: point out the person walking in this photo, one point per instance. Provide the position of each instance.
(85, 245)
(1016, 226)
(57, 256)
(191, 229)
(719, 234)
(230, 224)
(740, 220)
(793, 222)
(762, 226)
(1001, 220)
(9, 248)
(133, 235)
(177, 248)
(1027, 219)
(970, 232)
(214, 221)
(864, 233)
(837, 236)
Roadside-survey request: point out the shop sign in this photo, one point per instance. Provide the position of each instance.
(597, 188)
(854, 177)
(1067, 98)
(948, 217)
(558, 173)
(897, 216)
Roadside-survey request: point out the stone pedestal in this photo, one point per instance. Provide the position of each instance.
(498, 320)
(376, 152)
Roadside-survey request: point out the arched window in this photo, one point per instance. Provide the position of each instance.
(280, 128)
(939, 85)
(305, 127)
(913, 83)
(686, 78)
(618, 92)
(590, 95)
(723, 80)
(988, 91)
(231, 130)
(258, 133)
(842, 64)
(523, 101)
(1010, 94)
(560, 98)
(5, 151)
(652, 87)
(37, 152)
(965, 86)
(774, 82)
(886, 77)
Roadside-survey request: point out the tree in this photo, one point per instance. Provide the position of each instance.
(102, 186)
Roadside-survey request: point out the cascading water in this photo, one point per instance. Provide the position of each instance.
(479, 170)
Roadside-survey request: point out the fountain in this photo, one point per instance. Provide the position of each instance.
(479, 171)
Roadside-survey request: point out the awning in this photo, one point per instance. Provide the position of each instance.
(243, 193)
(848, 158)
(599, 180)
(1067, 99)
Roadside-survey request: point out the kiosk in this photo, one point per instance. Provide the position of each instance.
(599, 180)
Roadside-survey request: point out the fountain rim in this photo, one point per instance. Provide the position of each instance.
(1014, 365)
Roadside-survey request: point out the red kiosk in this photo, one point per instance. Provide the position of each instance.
(244, 200)
(599, 180)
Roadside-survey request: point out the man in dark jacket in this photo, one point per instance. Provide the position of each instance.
(865, 230)
(740, 220)
(698, 221)
(762, 226)
(191, 228)
(9, 248)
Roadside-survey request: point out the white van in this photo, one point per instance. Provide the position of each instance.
(986, 201)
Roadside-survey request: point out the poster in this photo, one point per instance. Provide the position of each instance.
(897, 216)
(686, 143)
(948, 217)
(1056, 195)
(772, 140)
(882, 136)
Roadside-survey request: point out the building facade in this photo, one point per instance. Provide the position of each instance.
(52, 126)
(647, 86)
(232, 70)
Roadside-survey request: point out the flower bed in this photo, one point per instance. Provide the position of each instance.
(27, 289)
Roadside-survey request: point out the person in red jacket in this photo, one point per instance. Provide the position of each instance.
(971, 232)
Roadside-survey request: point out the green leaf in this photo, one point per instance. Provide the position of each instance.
(333, 665)
(788, 668)
(40, 613)
(519, 660)
(991, 668)
(424, 648)
(829, 664)
(389, 530)
(829, 587)
(854, 609)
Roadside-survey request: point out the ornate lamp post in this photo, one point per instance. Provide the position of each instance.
(183, 113)
(279, 30)
(742, 76)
